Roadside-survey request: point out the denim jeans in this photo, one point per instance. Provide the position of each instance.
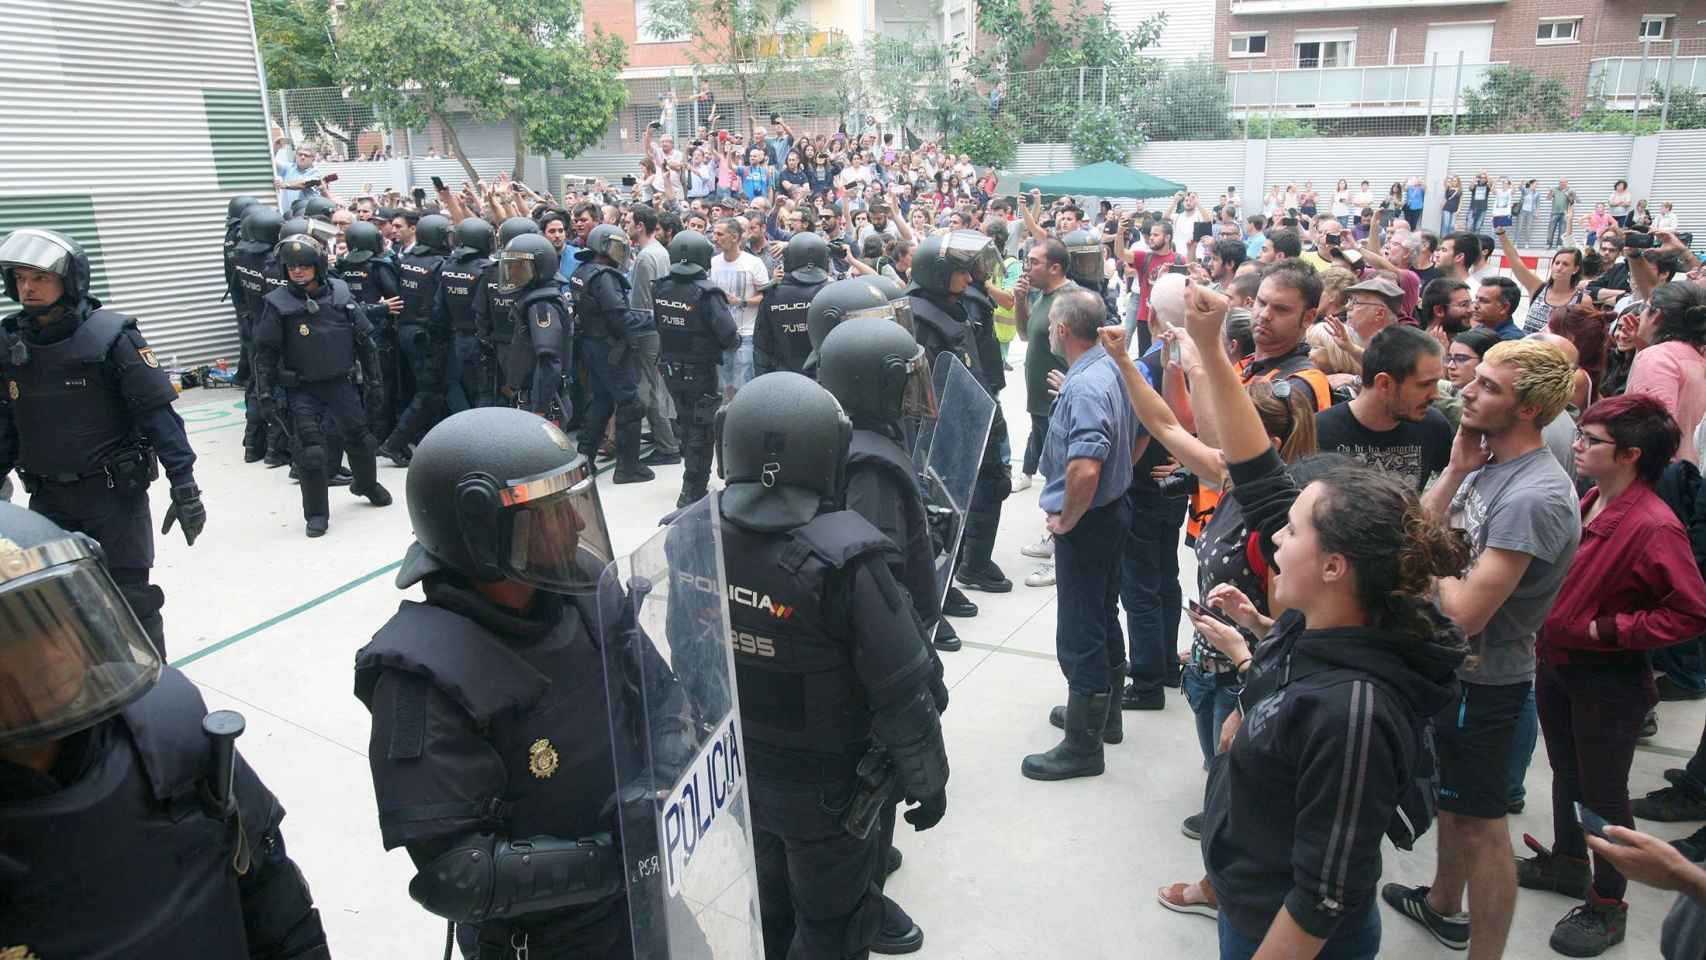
(1149, 587)
(1212, 703)
(736, 368)
(1683, 664)
(1087, 636)
(1353, 941)
(1522, 747)
(1447, 222)
(1476, 219)
(1557, 235)
(1034, 445)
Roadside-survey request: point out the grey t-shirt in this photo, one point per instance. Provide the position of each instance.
(1560, 438)
(1527, 505)
(650, 264)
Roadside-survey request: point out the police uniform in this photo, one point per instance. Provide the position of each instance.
(370, 280)
(694, 328)
(779, 337)
(599, 292)
(310, 345)
(541, 352)
(494, 330)
(421, 386)
(87, 420)
(256, 274)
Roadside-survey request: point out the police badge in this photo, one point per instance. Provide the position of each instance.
(542, 759)
(303, 329)
(147, 355)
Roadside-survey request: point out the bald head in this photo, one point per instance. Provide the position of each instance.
(1564, 346)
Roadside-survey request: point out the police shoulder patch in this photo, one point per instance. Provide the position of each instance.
(147, 354)
(303, 329)
(544, 320)
(17, 953)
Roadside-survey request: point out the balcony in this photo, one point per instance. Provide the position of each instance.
(1620, 79)
(1263, 8)
(1404, 90)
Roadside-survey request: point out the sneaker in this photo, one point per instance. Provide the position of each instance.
(1043, 576)
(1412, 902)
(1649, 725)
(989, 579)
(1552, 872)
(659, 459)
(1192, 826)
(1692, 846)
(1131, 699)
(1041, 550)
(1592, 928)
(1671, 691)
(1023, 482)
(1671, 805)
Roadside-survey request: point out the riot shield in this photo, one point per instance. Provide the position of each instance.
(947, 455)
(675, 732)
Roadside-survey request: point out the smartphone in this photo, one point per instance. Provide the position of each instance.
(419, 195)
(330, 178)
(1209, 613)
(1592, 822)
(1288, 221)
(1179, 268)
(438, 183)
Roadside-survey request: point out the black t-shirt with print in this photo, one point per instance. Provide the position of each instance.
(1415, 451)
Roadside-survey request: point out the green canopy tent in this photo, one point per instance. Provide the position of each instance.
(1105, 179)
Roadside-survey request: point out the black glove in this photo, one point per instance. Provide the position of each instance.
(488, 349)
(269, 406)
(187, 510)
(928, 811)
(372, 392)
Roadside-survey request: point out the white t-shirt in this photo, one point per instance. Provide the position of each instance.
(1183, 225)
(740, 278)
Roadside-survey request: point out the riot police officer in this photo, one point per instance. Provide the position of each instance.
(421, 386)
(694, 328)
(87, 416)
(123, 830)
(854, 674)
(372, 277)
(948, 320)
(491, 747)
(1086, 265)
(494, 322)
(235, 210)
(600, 296)
(779, 337)
(458, 287)
(256, 275)
(543, 348)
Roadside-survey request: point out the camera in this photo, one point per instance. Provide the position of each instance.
(1639, 241)
(1179, 483)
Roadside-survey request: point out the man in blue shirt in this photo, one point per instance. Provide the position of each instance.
(1495, 304)
(1087, 466)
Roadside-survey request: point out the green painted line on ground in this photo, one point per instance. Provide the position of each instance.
(334, 593)
(222, 426)
(1664, 751)
(1015, 651)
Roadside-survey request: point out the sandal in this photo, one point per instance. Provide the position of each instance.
(1193, 898)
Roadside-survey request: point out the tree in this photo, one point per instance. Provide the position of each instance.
(908, 80)
(526, 61)
(295, 37)
(1102, 134)
(1188, 101)
(1516, 100)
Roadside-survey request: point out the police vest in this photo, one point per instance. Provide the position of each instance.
(499, 308)
(233, 233)
(70, 413)
(528, 343)
(939, 331)
(980, 313)
(539, 704)
(804, 709)
(417, 284)
(459, 282)
(785, 305)
(125, 862)
(1204, 499)
(318, 345)
(599, 293)
(684, 331)
(370, 281)
(257, 274)
(874, 451)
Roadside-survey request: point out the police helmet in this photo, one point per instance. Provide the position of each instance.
(527, 261)
(497, 493)
(319, 208)
(238, 207)
(50, 252)
(515, 227)
(365, 242)
(320, 230)
(898, 298)
(781, 451)
(473, 239)
(1085, 258)
(262, 227)
(302, 250)
(690, 255)
(806, 258)
(974, 252)
(605, 240)
(877, 372)
(433, 232)
(71, 651)
(844, 300)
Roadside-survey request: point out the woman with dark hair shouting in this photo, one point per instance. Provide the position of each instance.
(1327, 753)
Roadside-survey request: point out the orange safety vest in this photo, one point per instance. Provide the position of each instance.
(1203, 501)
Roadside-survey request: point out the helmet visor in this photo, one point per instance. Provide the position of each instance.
(36, 249)
(919, 397)
(1087, 262)
(884, 311)
(515, 271)
(903, 313)
(972, 252)
(557, 537)
(71, 651)
(616, 248)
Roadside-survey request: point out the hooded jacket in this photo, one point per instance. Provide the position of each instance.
(1333, 736)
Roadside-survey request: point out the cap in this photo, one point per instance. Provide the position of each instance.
(1380, 285)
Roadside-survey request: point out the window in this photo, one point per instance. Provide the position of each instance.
(1324, 53)
(1559, 30)
(642, 23)
(1248, 45)
(1655, 27)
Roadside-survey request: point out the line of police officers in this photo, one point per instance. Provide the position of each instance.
(821, 510)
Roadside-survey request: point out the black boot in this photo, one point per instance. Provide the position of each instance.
(976, 569)
(395, 451)
(629, 469)
(955, 604)
(898, 933)
(689, 496)
(947, 639)
(365, 470)
(1113, 730)
(1080, 753)
(315, 508)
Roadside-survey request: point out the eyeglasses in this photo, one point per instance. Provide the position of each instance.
(1590, 441)
(1453, 359)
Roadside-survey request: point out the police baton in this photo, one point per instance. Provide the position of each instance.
(222, 728)
(875, 789)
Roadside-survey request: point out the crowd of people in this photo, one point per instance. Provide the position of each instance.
(1432, 527)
